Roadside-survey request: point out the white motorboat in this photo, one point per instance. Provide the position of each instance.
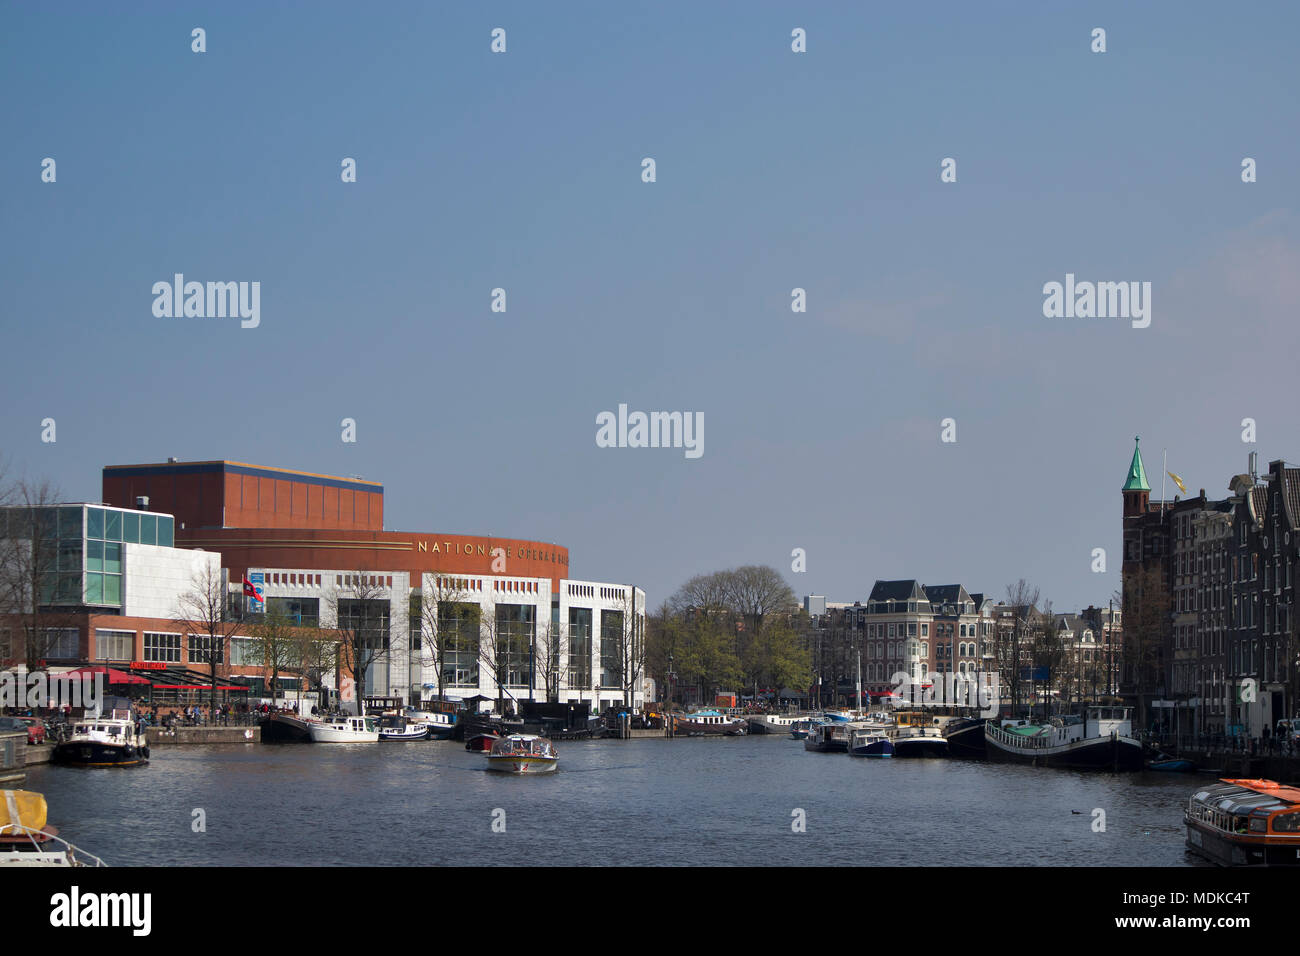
(397, 727)
(441, 725)
(103, 742)
(345, 730)
(523, 753)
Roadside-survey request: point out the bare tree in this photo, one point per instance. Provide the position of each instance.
(1013, 639)
(506, 640)
(361, 612)
(205, 610)
(317, 653)
(446, 604)
(552, 657)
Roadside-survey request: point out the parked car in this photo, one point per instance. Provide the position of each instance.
(1289, 729)
(34, 735)
(36, 729)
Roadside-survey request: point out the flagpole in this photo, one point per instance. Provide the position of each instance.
(1165, 468)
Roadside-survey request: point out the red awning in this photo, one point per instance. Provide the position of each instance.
(111, 675)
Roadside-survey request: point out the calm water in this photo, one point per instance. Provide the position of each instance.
(646, 802)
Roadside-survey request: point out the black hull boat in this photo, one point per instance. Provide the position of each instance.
(1112, 752)
(80, 753)
(926, 743)
(966, 738)
(103, 742)
(285, 729)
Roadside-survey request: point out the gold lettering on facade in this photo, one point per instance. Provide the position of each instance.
(424, 546)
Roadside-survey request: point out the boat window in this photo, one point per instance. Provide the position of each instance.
(1287, 822)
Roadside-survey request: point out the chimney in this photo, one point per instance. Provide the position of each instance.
(1254, 466)
(142, 502)
(172, 461)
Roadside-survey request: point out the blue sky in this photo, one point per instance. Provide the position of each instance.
(775, 170)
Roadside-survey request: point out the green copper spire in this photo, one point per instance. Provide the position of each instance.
(1137, 476)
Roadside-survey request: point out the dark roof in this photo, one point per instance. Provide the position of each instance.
(904, 590)
(947, 594)
(1291, 496)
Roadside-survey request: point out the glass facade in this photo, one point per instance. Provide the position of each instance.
(579, 648)
(78, 549)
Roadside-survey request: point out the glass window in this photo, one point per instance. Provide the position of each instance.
(94, 556)
(113, 557)
(113, 525)
(114, 645)
(162, 647)
(94, 522)
(94, 588)
(131, 528)
(165, 532)
(69, 522)
(113, 589)
(148, 529)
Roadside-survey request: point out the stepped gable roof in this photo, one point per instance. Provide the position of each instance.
(907, 589)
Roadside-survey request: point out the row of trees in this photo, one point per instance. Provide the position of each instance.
(731, 629)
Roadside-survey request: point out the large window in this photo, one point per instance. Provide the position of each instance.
(299, 610)
(458, 642)
(114, 645)
(579, 648)
(612, 640)
(162, 647)
(202, 647)
(516, 627)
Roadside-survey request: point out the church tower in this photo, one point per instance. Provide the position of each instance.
(1137, 493)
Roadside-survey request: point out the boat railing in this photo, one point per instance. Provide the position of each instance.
(75, 854)
(1021, 741)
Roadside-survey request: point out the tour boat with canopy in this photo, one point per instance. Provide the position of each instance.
(1245, 823)
(523, 753)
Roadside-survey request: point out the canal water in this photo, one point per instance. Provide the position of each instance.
(653, 802)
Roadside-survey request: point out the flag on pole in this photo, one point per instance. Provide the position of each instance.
(1178, 481)
(250, 591)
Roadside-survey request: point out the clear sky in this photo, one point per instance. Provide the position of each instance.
(775, 170)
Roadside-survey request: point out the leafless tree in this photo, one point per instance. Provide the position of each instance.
(449, 617)
(362, 619)
(205, 610)
(552, 657)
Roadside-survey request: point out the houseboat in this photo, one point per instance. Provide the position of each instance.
(1102, 741)
(965, 737)
(830, 738)
(345, 730)
(773, 723)
(523, 753)
(919, 733)
(1245, 823)
(708, 723)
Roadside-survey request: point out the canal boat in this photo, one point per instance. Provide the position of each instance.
(397, 727)
(442, 725)
(285, 728)
(919, 733)
(345, 730)
(800, 729)
(26, 839)
(102, 742)
(870, 742)
(965, 737)
(708, 723)
(772, 723)
(829, 738)
(523, 754)
(1245, 823)
(481, 742)
(1102, 741)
